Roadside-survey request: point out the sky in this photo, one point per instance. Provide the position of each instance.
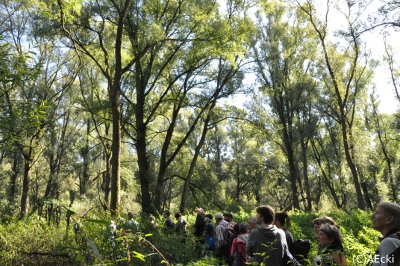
(384, 87)
(374, 41)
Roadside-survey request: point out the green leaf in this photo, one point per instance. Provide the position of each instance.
(94, 247)
(105, 222)
(80, 258)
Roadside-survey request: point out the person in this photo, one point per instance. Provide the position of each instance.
(111, 231)
(266, 244)
(252, 223)
(180, 227)
(282, 221)
(223, 234)
(210, 244)
(132, 224)
(238, 249)
(228, 216)
(168, 223)
(322, 220)
(153, 222)
(199, 227)
(386, 219)
(330, 248)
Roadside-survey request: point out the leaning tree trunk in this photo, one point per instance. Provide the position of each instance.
(350, 162)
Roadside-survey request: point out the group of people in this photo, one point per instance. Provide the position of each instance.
(266, 239)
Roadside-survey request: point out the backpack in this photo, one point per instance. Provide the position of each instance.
(227, 233)
(396, 253)
(289, 259)
(301, 248)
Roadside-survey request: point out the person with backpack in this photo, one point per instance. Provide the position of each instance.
(210, 244)
(386, 219)
(223, 233)
(267, 243)
(282, 221)
(238, 249)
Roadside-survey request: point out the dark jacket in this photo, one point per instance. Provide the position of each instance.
(199, 225)
(289, 239)
(268, 242)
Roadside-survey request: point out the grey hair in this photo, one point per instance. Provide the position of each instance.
(253, 220)
(332, 231)
(392, 209)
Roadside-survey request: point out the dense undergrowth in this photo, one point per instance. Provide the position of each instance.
(35, 241)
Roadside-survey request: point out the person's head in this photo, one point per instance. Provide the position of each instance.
(252, 222)
(178, 216)
(130, 215)
(209, 216)
(243, 228)
(329, 234)
(228, 216)
(236, 228)
(282, 220)
(152, 218)
(386, 217)
(218, 217)
(266, 214)
(322, 220)
(199, 210)
(167, 214)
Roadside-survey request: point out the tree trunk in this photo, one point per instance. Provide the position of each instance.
(107, 179)
(141, 146)
(115, 99)
(26, 186)
(217, 92)
(349, 159)
(305, 174)
(115, 149)
(84, 178)
(325, 177)
(13, 178)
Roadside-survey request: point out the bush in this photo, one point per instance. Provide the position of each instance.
(33, 241)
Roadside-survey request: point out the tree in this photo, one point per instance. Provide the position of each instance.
(284, 68)
(347, 76)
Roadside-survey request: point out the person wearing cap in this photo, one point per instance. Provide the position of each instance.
(386, 219)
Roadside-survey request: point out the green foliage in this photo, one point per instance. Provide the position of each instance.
(93, 242)
(33, 240)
